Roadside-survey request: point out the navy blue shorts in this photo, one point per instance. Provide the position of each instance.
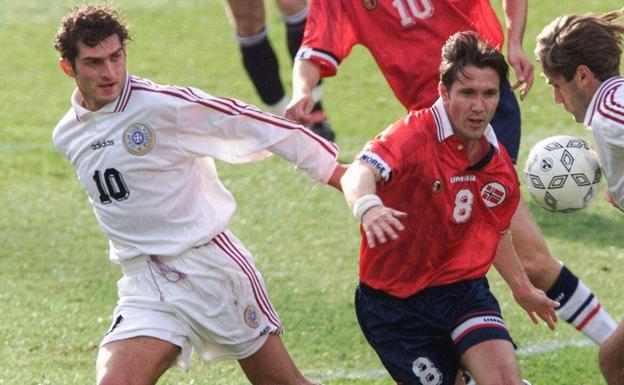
(420, 339)
(506, 121)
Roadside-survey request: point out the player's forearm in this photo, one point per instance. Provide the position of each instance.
(306, 75)
(515, 19)
(357, 181)
(334, 179)
(508, 265)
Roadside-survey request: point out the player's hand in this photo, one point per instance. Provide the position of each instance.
(537, 304)
(610, 199)
(524, 69)
(300, 109)
(381, 223)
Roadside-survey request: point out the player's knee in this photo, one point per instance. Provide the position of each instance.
(249, 24)
(534, 265)
(291, 7)
(503, 378)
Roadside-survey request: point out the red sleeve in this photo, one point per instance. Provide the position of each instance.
(328, 36)
(385, 152)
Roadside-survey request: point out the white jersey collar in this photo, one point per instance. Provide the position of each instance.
(116, 105)
(591, 109)
(445, 130)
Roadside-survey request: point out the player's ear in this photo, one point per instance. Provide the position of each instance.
(583, 74)
(67, 67)
(443, 91)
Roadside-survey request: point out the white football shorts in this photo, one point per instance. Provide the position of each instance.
(211, 299)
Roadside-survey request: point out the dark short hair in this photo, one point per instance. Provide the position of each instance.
(594, 40)
(90, 25)
(465, 49)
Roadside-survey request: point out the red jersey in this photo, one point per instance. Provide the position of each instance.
(455, 212)
(404, 36)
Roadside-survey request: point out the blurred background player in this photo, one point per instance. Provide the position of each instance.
(580, 57)
(248, 17)
(431, 230)
(405, 38)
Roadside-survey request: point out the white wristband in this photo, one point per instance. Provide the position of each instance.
(364, 203)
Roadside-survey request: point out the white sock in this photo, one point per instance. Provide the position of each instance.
(585, 313)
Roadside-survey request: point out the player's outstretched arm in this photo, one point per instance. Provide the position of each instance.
(334, 179)
(306, 75)
(380, 223)
(532, 300)
(515, 18)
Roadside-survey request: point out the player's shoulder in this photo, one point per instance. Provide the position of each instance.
(609, 105)
(63, 129)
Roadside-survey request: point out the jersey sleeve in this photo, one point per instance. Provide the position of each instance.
(612, 133)
(328, 36)
(235, 132)
(384, 152)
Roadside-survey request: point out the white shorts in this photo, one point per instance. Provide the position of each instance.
(211, 298)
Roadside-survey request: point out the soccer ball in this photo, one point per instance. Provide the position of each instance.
(562, 173)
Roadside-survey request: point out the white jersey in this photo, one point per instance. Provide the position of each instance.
(605, 118)
(146, 162)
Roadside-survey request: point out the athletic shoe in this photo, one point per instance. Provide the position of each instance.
(323, 129)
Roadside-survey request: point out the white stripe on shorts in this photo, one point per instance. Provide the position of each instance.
(227, 246)
(476, 322)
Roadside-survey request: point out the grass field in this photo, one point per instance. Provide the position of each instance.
(57, 288)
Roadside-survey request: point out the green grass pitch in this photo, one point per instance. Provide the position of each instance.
(57, 288)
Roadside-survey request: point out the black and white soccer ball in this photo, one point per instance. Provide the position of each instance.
(562, 173)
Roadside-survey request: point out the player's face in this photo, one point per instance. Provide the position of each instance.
(99, 71)
(471, 101)
(568, 93)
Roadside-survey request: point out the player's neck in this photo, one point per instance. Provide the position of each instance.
(476, 149)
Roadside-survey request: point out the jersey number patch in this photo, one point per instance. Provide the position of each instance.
(426, 371)
(463, 205)
(411, 9)
(110, 185)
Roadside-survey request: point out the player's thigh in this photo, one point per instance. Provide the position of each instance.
(271, 364)
(507, 121)
(402, 334)
(247, 16)
(138, 360)
(492, 362)
(291, 7)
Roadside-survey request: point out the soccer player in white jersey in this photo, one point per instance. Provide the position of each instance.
(144, 154)
(580, 57)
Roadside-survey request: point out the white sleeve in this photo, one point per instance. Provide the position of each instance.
(613, 154)
(235, 132)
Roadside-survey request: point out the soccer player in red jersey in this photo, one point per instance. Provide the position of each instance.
(405, 38)
(435, 194)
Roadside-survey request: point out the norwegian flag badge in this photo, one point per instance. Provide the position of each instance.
(493, 194)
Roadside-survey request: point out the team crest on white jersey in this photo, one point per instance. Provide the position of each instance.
(493, 194)
(370, 4)
(251, 317)
(139, 138)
